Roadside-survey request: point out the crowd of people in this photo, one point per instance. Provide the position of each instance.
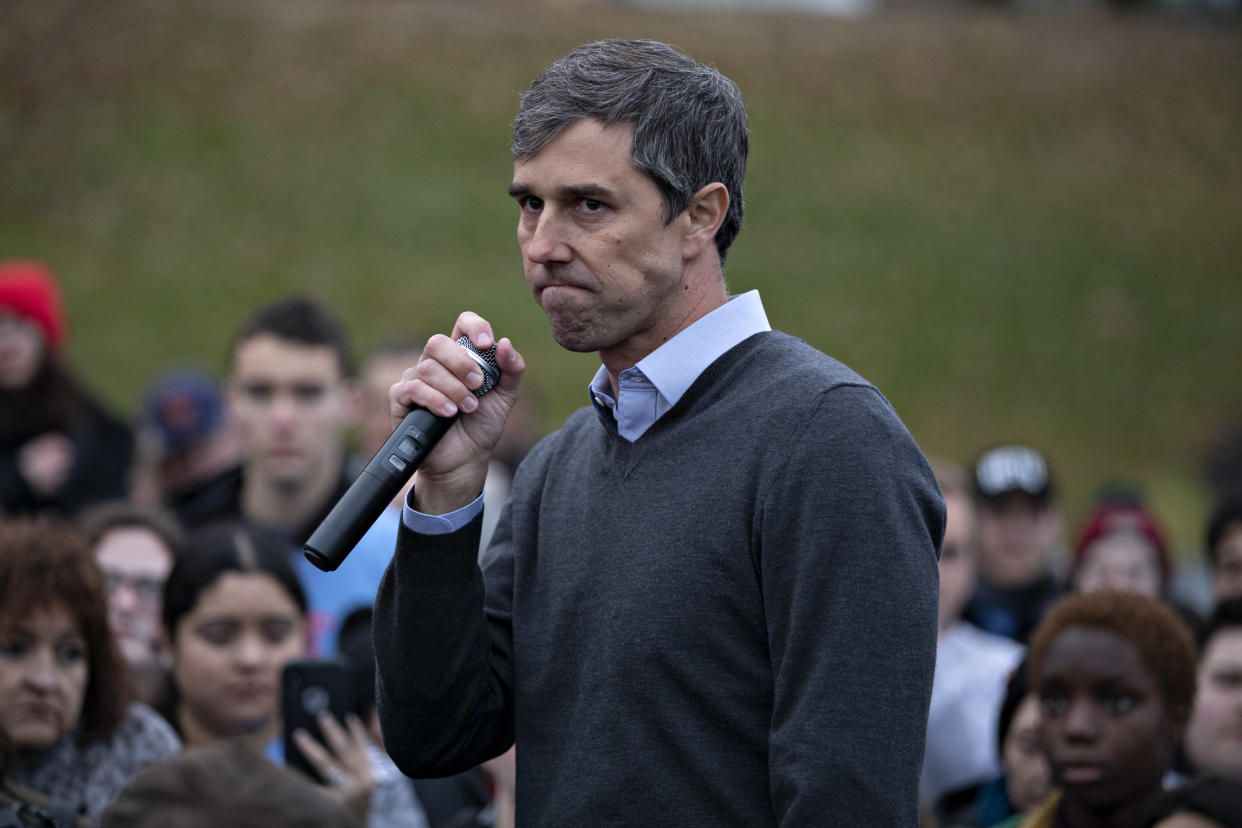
(1073, 686)
(153, 590)
(664, 633)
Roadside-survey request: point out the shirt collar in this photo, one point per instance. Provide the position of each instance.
(674, 366)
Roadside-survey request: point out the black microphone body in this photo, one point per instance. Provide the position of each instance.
(389, 470)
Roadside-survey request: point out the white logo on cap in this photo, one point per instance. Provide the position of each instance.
(1008, 468)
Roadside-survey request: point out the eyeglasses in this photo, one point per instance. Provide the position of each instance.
(146, 589)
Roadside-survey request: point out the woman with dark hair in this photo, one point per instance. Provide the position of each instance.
(234, 615)
(59, 448)
(1115, 676)
(65, 703)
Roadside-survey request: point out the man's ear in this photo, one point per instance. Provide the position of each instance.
(705, 213)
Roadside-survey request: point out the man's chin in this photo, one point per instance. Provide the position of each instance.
(287, 473)
(574, 338)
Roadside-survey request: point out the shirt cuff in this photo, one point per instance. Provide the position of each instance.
(425, 524)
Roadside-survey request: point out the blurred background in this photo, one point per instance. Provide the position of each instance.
(1020, 220)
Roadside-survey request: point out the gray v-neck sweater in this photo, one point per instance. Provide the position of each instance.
(730, 621)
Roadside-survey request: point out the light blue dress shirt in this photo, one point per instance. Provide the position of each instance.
(647, 391)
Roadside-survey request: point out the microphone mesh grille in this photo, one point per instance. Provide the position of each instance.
(487, 361)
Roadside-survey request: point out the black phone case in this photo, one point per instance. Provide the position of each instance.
(308, 687)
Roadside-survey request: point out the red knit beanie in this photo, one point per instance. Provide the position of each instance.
(1108, 518)
(29, 290)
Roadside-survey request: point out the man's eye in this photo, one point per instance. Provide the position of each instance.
(309, 393)
(258, 393)
(531, 203)
(590, 205)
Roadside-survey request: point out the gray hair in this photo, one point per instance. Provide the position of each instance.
(689, 120)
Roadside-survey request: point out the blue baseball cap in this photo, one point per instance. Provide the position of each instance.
(184, 407)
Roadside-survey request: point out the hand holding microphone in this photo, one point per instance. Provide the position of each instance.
(452, 378)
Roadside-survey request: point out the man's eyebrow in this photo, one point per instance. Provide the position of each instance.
(589, 190)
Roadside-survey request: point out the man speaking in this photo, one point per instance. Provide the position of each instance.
(711, 599)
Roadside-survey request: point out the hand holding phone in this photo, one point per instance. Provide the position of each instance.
(314, 701)
(311, 687)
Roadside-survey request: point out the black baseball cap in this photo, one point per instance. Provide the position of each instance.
(1013, 468)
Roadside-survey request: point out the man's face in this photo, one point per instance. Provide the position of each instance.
(1103, 721)
(1017, 535)
(291, 404)
(1214, 735)
(1227, 573)
(135, 563)
(599, 258)
(957, 558)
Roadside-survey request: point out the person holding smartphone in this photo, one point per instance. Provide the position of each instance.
(235, 616)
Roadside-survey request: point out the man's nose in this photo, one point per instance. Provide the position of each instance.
(284, 409)
(547, 241)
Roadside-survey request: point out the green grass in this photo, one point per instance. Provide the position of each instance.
(1018, 227)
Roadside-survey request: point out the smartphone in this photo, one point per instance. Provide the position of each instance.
(310, 687)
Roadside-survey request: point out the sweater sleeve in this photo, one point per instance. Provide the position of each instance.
(850, 531)
(443, 667)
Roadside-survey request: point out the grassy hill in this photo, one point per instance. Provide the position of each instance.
(1019, 227)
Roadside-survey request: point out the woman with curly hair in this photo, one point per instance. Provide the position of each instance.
(65, 702)
(1115, 676)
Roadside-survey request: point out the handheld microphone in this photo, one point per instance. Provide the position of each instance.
(389, 470)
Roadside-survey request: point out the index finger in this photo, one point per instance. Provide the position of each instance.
(477, 328)
(349, 749)
(314, 752)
